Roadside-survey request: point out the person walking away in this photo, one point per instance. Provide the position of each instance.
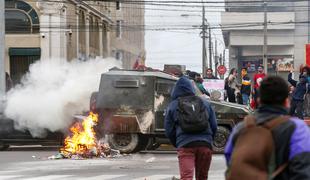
(209, 74)
(269, 144)
(245, 86)
(258, 77)
(190, 125)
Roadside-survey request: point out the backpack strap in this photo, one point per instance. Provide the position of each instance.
(276, 122)
(279, 170)
(272, 124)
(249, 121)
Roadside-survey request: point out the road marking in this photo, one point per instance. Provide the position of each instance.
(104, 177)
(50, 177)
(216, 177)
(155, 177)
(8, 177)
(101, 177)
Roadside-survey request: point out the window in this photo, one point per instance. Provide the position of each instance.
(17, 22)
(20, 17)
(97, 31)
(119, 29)
(118, 5)
(10, 4)
(126, 83)
(82, 34)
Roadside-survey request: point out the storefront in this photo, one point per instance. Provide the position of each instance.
(277, 65)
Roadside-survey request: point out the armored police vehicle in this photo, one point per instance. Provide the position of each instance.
(131, 107)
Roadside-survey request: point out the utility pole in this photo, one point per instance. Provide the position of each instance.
(2, 46)
(265, 47)
(204, 32)
(224, 54)
(210, 48)
(221, 59)
(221, 63)
(216, 58)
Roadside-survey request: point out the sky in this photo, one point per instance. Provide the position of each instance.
(178, 41)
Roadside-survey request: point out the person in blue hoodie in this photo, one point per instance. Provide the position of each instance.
(194, 150)
(298, 95)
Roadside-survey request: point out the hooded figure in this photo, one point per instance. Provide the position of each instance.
(190, 146)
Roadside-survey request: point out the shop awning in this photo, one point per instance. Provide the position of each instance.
(24, 51)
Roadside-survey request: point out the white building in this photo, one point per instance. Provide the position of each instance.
(242, 25)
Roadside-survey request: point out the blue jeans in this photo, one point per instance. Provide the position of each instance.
(245, 99)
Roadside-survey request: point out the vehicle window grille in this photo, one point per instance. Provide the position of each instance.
(126, 83)
(164, 88)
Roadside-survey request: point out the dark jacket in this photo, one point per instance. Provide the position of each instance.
(292, 143)
(174, 132)
(246, 85)
(300, 87)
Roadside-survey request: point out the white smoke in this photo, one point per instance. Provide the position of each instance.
(53, 91)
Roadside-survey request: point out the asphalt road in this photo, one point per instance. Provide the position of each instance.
(35, 165)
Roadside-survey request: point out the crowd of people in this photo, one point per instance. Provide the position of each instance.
(269, 144)
(246, 92)
(241, 93)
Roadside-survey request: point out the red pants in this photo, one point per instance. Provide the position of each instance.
(198, 158)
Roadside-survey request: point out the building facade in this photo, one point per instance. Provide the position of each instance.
(287, 34)
(63, 31)
(128, 42)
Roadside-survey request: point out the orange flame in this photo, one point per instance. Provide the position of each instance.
(83, 136)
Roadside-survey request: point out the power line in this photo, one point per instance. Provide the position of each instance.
(223, 26)
(181, 3)
(188, 2)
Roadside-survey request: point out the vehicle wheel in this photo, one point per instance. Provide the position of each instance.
(3, 146)
(220, 139)
(152, 144)
(125, 143)
(93, 101)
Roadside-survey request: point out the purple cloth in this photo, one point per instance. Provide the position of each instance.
(300, 139)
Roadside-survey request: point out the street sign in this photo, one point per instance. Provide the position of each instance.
(221, 69)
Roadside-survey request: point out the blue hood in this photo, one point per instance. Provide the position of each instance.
(183, 87)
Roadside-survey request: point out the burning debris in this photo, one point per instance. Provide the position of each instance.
(83, 144)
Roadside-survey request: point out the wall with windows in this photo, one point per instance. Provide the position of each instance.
(286, 40)
(49, 29)
(22, 26)
(128, 32)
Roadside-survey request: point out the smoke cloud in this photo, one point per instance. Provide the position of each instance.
(53, 91)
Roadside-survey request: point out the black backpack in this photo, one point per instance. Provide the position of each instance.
(192, 114)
